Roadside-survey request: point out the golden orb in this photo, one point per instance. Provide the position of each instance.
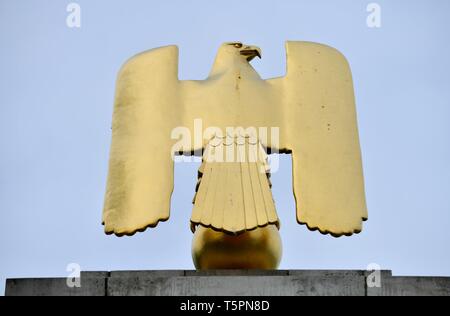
(257, 249)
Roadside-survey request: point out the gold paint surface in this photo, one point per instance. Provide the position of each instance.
(257, 249)
(313, 105)
(240, 188)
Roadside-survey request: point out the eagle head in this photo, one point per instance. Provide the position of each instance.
(247, 52)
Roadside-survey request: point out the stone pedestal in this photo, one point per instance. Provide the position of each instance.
(231, 283)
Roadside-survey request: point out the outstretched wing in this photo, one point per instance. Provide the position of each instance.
(322, 133)
(140, 180)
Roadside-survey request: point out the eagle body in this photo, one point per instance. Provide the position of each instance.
(241, 97)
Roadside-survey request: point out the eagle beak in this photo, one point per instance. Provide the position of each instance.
(251, 52)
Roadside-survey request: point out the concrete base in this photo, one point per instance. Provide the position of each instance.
(232, 283)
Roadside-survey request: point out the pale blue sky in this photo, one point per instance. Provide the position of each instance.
(56, 92)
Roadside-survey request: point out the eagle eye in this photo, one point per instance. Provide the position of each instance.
(237, 45)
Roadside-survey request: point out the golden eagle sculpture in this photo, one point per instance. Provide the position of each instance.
(310, 113)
